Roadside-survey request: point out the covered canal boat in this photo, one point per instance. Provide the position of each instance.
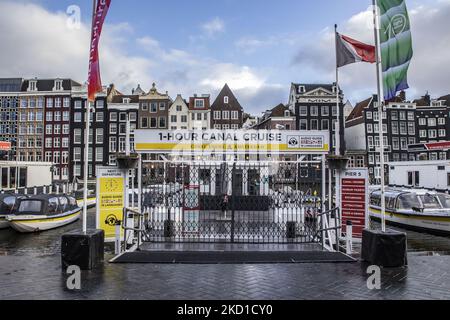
(8, 203)
(44, 212)
(419, 210)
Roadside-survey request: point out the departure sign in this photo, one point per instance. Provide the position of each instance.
(207, 142)
(355, 199)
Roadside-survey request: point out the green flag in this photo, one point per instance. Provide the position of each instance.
(396, 46)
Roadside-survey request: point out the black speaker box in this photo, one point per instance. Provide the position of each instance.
(85, 250)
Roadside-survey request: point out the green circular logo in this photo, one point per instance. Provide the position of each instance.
(398, 24)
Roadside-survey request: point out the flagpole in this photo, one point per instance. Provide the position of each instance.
(338, 126)
(86, 142)
(381, 103)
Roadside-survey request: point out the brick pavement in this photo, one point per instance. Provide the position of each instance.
(24, 277)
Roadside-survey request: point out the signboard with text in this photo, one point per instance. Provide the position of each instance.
(355, 199)
(232, 142)
(110, 200)
(5, 146)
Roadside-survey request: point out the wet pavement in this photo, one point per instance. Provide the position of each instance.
(30, 269)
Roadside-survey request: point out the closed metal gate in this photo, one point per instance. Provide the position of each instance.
(240, 202)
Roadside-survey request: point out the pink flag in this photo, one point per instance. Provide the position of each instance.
(94, 79)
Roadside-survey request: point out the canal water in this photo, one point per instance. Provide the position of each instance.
(48, 243)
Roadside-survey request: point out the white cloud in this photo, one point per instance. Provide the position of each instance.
(430, 67)
(214, 27)
(42, 46)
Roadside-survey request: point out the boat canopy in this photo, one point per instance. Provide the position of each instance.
(46, 205)
(411, 200)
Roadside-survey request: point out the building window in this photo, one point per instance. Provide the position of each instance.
(99, 117)
(162, 122)
(65, 142)
(303, 111)
(113, 128)
(122, 128)
(369, 128)
(66, 116)
(77, 136)
(57, 157)
(183, 119)
(370, 141)
(57, 129)
(403, 128)
(65, 157)
(77, 117)
(66, 129)
(48, 129)
(314, 111)
(57, 143)
(113, 144)
(153, 108)
(99, 154)
(422, 122)
(144, 123)
(395, 144)
(423, 133)
(153, 123)
(57, 102)
(226, 115)
(217, 115)
(432, 134)
(122, 144)
(411, 128)
(48, 156)
(441, 121)
(303, 124)
(179, 108)
(325, 124)
(122, 117)
(442, 133)
(369, 115)
(432, 122)
(226, 100)
(234, 115)
(404, 144)
(99, 136)
(314, 125)
(325, 111)
(173, 118)
(162, 106)
(410, 116)
(100, 104)
(144, 107)
(113, 116)
(199, 104)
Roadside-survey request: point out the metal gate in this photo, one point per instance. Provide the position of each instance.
(238, 202)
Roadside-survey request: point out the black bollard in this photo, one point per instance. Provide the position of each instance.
(85, 250)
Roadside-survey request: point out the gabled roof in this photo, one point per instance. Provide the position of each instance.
(446, 99)
(207, 103)
(311, 87)
(226, 92)
(11, 84)
(48, 84)
(153, 94)
(356, 116)
(119, 98)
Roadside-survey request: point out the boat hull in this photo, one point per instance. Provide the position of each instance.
(30, 224)
(4, 224)
(430, 224)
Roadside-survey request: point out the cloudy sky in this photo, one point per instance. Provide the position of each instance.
(257, 47)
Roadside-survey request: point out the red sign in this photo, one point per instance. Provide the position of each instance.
(5, 146)
(94, 79)
(354, 200)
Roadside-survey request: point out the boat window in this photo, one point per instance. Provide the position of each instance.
(408, 201)
(30, 207)
(445, 200)
(390, 202)
(430, 201)
(53, 205)
(375, 200)
(72, 202)
(64, 203)
(10, 202)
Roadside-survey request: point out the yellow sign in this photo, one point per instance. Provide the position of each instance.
(110, 200)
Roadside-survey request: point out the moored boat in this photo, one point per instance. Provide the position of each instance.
(44, 212)
(419, 210)
(8, 203)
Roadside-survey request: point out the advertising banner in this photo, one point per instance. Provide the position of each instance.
(232, 142)
(110, 200)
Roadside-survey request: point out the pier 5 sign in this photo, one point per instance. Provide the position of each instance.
(231, 141)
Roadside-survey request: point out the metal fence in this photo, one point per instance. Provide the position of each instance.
(240, 202)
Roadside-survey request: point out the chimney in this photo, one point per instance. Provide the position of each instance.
(402, 96)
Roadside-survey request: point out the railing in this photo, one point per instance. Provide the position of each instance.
(48, 189)
(327, 234)
(135, 233)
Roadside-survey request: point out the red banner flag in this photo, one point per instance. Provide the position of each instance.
(94, 79)
(350, 51)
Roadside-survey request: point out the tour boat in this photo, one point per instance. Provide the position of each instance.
(8, 203)
(44, 212)
(419, 210)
